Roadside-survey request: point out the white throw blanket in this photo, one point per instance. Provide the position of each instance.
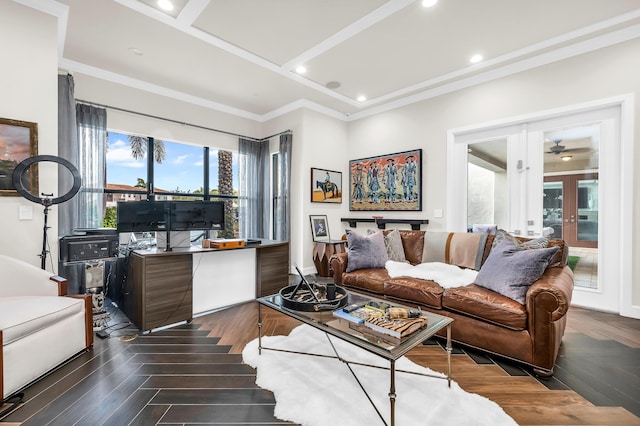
(446, 275)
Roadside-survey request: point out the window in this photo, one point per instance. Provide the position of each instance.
(184, 172)
(181, 171)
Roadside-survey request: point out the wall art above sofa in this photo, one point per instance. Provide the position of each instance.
(390, 182)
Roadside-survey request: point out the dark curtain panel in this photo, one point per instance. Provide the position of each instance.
(253, 196)
(67, 149)
(68, 212)
(92, 148)
(283, 208)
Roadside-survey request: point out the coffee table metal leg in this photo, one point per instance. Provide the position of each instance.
(449, 350)
(392, 392)
(259, 329)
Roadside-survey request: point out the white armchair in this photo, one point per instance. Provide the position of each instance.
(40, 327)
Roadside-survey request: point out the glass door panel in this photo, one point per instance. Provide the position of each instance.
(552, 210)
(587, 211)
(487, 200)
(571, 162)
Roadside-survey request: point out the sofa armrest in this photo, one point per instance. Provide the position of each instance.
(88, 316)
(62, 284)
(551, 294)
(338, 264)
(547, 302)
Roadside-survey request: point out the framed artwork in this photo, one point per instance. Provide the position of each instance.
(326, 186)
(319, 227)
(390, 182)
(18, 141)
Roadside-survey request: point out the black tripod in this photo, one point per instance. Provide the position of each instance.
(46, 202)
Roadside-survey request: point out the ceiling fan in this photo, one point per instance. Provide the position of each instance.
(561, 149)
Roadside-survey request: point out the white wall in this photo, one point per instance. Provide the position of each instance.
(29, 87)
(600, 74)
(321, 142)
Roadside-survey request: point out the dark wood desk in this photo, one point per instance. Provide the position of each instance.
(322, 252)
(161, 285)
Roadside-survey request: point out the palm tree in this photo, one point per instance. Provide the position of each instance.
(141, 183)
(225, 187)
(139, 148)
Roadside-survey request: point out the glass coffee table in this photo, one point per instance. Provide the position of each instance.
(389, 348)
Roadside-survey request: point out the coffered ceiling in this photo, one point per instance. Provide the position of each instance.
(241, 56)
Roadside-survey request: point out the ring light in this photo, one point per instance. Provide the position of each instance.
(45, 201)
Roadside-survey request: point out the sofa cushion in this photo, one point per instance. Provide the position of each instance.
(456, 248)
(423, 292)
(413, 243)
(24, 315)
(435, 246)
(510, 270)
(487, 305)
(466, 249)
(525, 243)
(365, 251)
(367, 279)
(393, 244)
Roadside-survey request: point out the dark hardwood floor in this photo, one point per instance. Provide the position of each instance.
(193, 374)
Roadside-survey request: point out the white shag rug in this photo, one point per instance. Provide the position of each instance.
(315, 391)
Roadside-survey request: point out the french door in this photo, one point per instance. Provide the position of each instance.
(571, 208)
(508, 174)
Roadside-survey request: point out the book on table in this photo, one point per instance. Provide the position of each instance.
(378, 320)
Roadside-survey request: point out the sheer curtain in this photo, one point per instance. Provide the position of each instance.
(67, 149)
(92, 148)
(253, 196)
(282, 216)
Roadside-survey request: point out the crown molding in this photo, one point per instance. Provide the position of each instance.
(425, 90)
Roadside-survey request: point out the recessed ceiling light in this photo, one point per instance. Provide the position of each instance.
(136, 51)
(475, 58)
(301, 69)
(362, 98)
(333, 85)
(566, 157)
(429, 3)
(165, 5)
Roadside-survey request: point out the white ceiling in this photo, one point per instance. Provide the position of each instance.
(239, 56)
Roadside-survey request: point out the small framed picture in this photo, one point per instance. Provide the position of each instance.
(326, 186)
(319, 227)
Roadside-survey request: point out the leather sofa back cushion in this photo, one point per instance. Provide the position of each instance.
(413, 243)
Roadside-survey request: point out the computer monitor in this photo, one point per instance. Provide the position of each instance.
(187, 215)
(142, 216)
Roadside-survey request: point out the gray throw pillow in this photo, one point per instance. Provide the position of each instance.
(365, 251)
(393, 244)
(510, 270)
(395, 249)
(503, 235)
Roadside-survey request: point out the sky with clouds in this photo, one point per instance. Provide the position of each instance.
(182, 169)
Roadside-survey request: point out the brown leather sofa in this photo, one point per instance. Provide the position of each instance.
(483, 319)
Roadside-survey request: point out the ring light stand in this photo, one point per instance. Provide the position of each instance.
(45, 199)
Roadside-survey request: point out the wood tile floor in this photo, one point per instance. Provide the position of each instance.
(586, 271)
(193, 374)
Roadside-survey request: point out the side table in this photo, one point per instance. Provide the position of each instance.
(322, 252)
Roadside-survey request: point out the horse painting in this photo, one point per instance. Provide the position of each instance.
(327, 187)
